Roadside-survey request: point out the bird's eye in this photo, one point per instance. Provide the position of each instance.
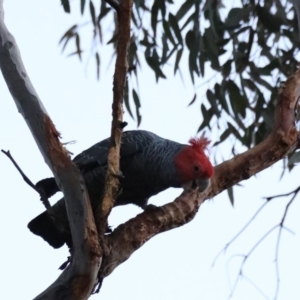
(196, 168)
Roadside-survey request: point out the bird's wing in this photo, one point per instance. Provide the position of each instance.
(96, 155)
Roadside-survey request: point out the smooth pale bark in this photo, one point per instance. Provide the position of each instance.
(78, 279)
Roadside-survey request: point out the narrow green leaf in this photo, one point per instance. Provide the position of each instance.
(162, 6)
(212, 99)
(220, 94)
(68, 33)
(238, 101)
(234, 17)
(168, 32)
(178, 58)
(104, 10)
(226, 68)
(266, 70)
(207, 115)
(175, 27)
(249, 84)
(193, 63)
(126, 99)
(190, 39)
(66, 5)
(137, 106)
(153, 62)
(82, 6)
(270, 22)
(92, 12)
(185, 7)
(154, 16)
(230, 195)
(193, 100)
(97, 57)
(211, 48)
(295, 158)
(226, 133)
(202, 60)
(234, 131)
(77, 42)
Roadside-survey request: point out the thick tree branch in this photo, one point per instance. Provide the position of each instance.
(78, 279)
(284, 138)
(121, 67)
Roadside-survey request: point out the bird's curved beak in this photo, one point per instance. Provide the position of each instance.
(202, 184)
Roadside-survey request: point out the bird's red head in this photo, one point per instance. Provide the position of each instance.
(192, 163)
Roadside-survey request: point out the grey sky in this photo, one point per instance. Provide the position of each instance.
(174, 265)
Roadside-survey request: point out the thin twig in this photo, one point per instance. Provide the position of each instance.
(281, 226)
(25, 178)
(295, 192)
(246, 256)
(41, 192)
(256, 287)
(238, 234)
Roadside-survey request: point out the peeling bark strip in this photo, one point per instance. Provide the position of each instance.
(78, 280)
(121, 67)
(58, 154)
(284, 138)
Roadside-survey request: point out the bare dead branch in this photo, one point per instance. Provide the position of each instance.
(246, 256)
(281, 227)
(78, 279)
(294, 193)
(256, 287)
(41, 192)
(121, 67)
(240, 232)
(25, 178)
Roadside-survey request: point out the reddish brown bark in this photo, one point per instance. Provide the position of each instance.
(284, 138)
(121, 67)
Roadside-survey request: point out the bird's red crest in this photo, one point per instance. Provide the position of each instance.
(199, 144)
(192, 161)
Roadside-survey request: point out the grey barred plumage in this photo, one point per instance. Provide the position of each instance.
(148, 165)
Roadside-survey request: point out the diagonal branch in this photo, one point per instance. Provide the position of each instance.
(283, 139)
(79, 278)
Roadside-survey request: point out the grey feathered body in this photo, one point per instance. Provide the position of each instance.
(147, 165)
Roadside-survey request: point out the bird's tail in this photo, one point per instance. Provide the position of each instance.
(44, 227)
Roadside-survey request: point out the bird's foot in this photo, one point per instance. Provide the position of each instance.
(152, 207)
